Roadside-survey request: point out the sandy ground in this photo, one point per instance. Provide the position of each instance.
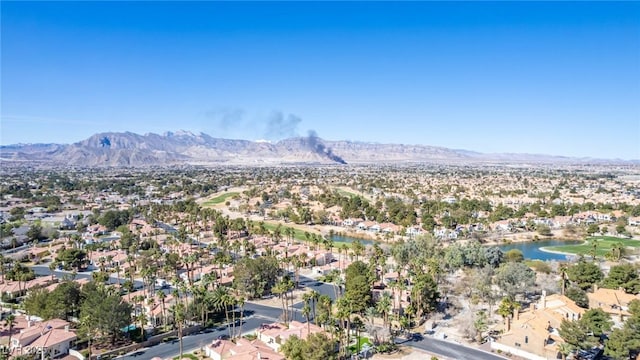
(275, 301)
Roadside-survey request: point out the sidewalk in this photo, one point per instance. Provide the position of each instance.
(407, 353)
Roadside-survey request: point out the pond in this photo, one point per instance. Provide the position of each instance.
(531, 250)
(349, 239)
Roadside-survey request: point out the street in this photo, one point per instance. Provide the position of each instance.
(449, 349)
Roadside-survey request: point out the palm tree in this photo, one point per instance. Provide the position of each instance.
(280, 290)
(564, 349)
(52, 267)
(118, 274)
(617, 251)
(86, 323)
(162, 295)
(230, 302)
(344, 313)
(142, 317)
(563, 275)
(343, 252)
(306, 311)
(9, 321)
(371, 313)
(358, 248)
(240, 301)
(383, 307)
(315, 295)
(325, 305)
(178, 310)
(594, 249)
(290, 233)
(358, 325)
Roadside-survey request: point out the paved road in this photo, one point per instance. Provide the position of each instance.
(190, 343)
(450, 349)
(43, 270)
(256, 315)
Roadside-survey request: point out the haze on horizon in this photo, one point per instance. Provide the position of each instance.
(560, 78)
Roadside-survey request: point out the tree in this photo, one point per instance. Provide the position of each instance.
(35, 232)
(565, 349)
(474, 254)
(585, 332)
(383, 307)
(562, 269)
(592, 229)
(454, 257)
(623, 276)
(358, 281)
(114, 218)
(494, 256)
(294, 348)
(618, 251)
(72, 258)
(179, 317)
(597, 321)
(87, 329)
(578, 296)
(256, 277)
(480, 324)
(306, 310)
(316, 347)
(514, 278)
(507, 307)
(105, 310)
(8, 322)
(514, 255)
(424, 294)
(584, 274)
(624, 343)
(543, 230)
(282, 289)
(319, 347)
(575, 333)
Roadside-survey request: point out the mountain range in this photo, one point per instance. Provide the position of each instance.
(183, 147)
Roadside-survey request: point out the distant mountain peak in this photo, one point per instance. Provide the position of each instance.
(185, 147)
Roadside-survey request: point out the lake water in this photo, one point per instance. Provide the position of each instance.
(531, 250)
(349, 239)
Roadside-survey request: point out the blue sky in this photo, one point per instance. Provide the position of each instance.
(538, 77)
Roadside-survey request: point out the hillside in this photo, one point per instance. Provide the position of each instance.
(134, 150)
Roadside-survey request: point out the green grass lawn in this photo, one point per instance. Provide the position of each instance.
(361, 342)
(219, 199)
(188, 356)
(299, 235)
(604, 244)
(346, 193)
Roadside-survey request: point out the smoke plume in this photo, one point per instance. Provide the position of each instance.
(319, 148)
(226, 118)
(280, 126)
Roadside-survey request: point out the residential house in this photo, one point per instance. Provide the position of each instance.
(242, 349)
(53, 337)
(613, 302)
(274, 335)
(634, 220)
(502, 225)
(533, 334)
(413, 231)
(389, 228)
